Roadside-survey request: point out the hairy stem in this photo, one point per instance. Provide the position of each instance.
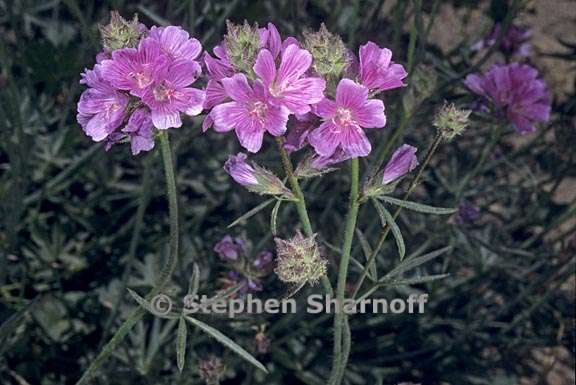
(166, 272)
(300, 203)
(340, 358)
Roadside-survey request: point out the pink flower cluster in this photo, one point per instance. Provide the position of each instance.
(282, 86)
(134, 89)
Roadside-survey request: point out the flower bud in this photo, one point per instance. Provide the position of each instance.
(451, 121)
(402, 162)
(211, 370)
(255, 178)
(299, 260)
(121, 33)
(329, 52)
(242, 43)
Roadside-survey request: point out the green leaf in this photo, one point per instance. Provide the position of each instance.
(418, 206)
(146, 305)
(181, 344)
(274, 217)
(252, 212)
(194, 281)
(367, 249)
(227, 342)
(411, 281)
(411, 263)
(388, 219)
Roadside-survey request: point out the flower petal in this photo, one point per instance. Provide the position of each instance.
(350, 94)
(324, 139)
(265, 67)
(237, 88)
(371, 114)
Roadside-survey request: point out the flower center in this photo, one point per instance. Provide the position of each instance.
(344, 117)
(162, 92)
(141, 79)
(258, 110)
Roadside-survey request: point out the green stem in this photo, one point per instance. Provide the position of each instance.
(166, 272)
(339, 318)
(431, 150)
(300, 203)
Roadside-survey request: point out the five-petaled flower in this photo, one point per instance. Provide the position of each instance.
(344, 120)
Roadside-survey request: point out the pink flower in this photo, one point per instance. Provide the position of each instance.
(402, 162)
(170, 93)
(140, 131)
(515, 89)
(101, 108)
(132, 69)
(377, 70)
(271, 40)
(176, 42)
(238, 168)
(286, 86)
(250, 113)
(344, 120)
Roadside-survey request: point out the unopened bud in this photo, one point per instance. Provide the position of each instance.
(401, 163)
(329, 52)
(451, 121)
(242, 43)
(299, 260)
(121, 33)
(256, 178)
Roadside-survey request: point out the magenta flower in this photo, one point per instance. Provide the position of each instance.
(140, 131)
(515, 89)
(344, 120)
(101, 108)
(133, 69)
(286, 86)
(240, 170)
(230, 249)
(176, 42)
(170, 94)
(377, 70)
(271, 40)
(250, 113)
(402, 162)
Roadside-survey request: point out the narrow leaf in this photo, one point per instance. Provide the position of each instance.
(146, 305)
(367, 249)
(181, 344)
(194, 281)
(274, 217)
(389, 220)
(411, 263)
(227, 342)
(252, 212)
(419, 207)
(411, 281)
